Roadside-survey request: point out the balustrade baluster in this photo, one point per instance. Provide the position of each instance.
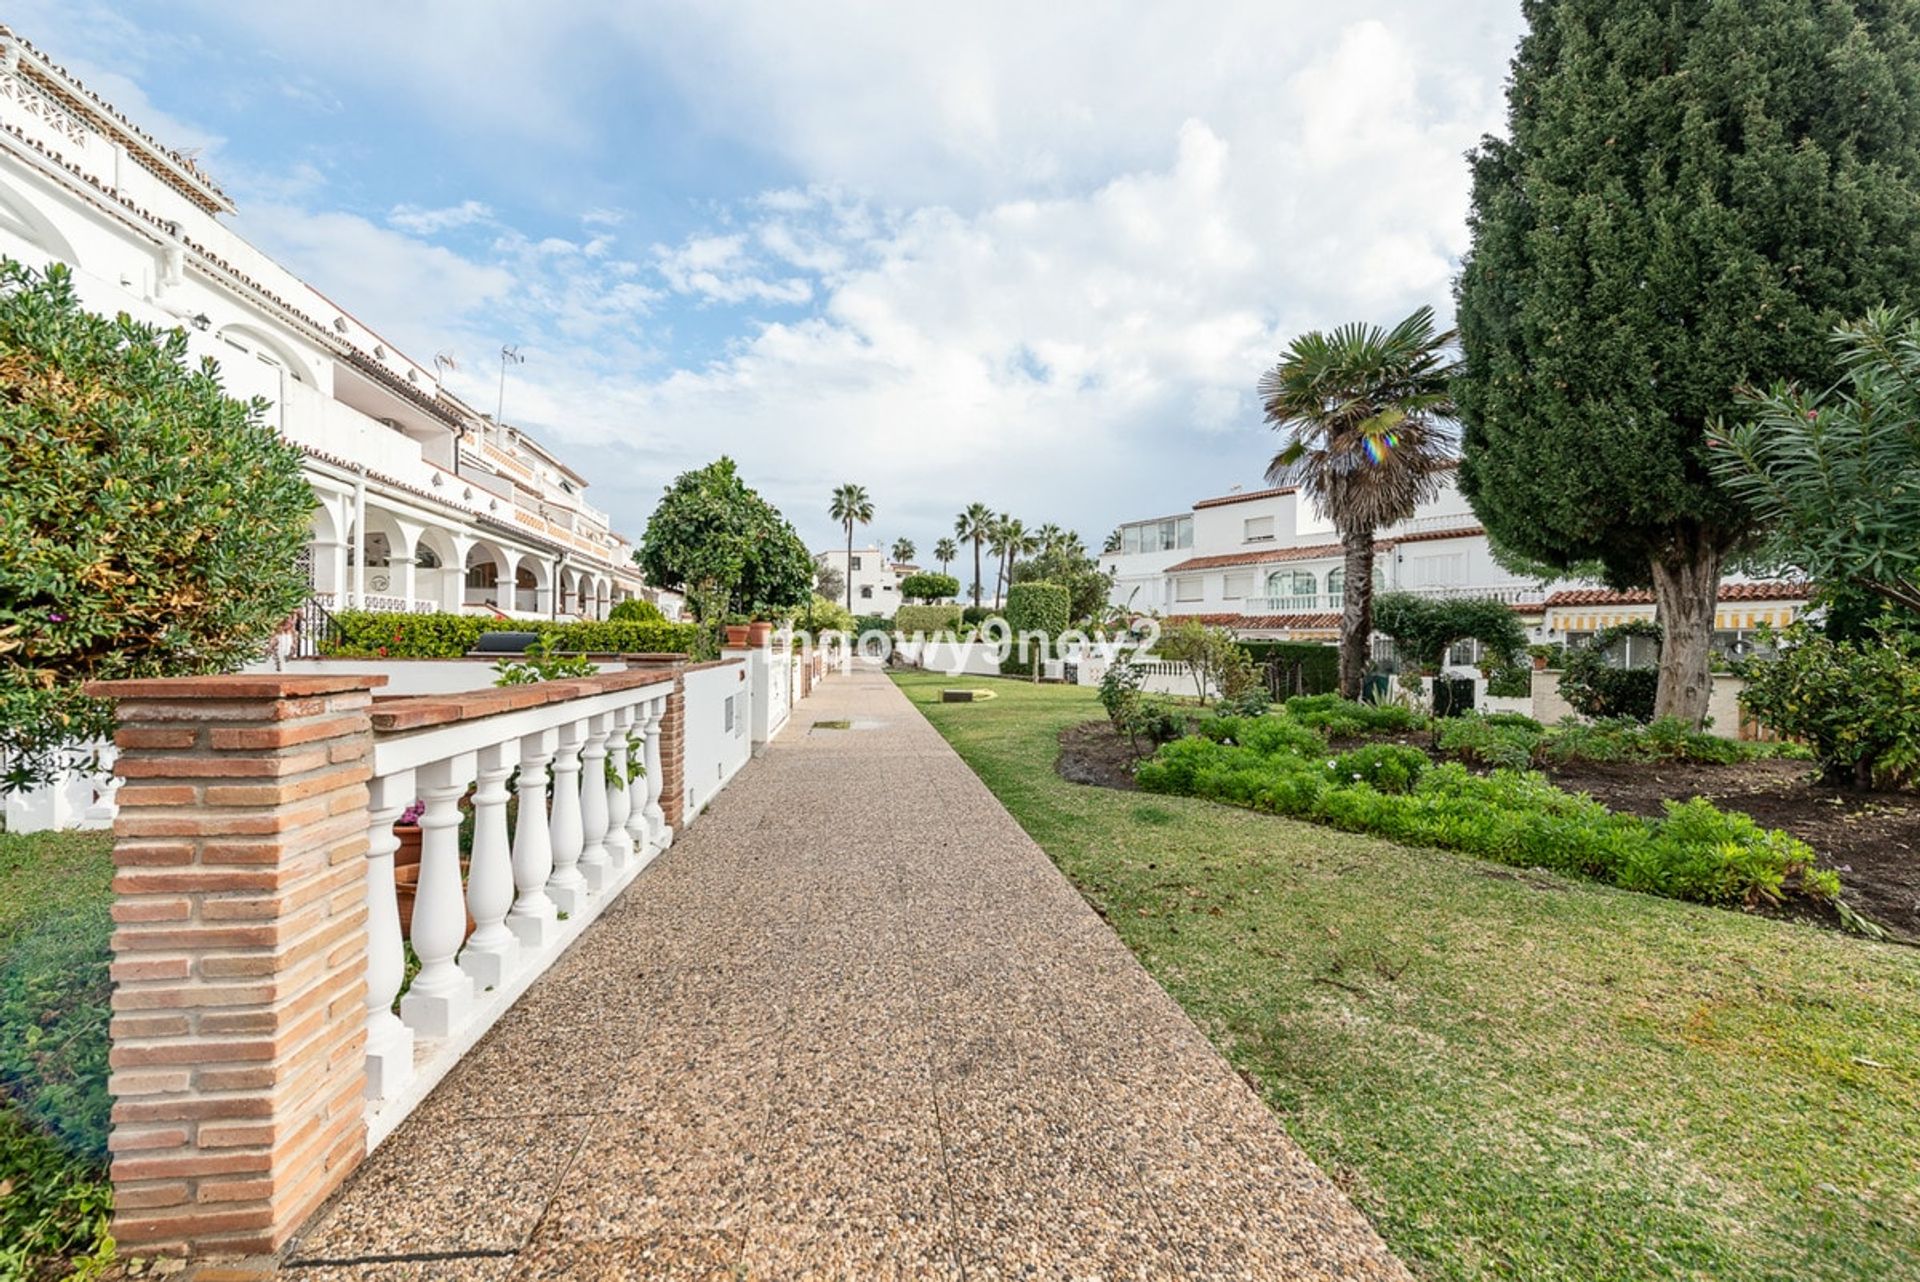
(656, 817)
(639, 831)
(441, 993)
(567, 888)
(593, 804)
(619, 844)
(492, 952)
(389, 1042)
(534, 917)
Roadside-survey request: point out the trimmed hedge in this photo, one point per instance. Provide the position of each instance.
(1035, 607)
(926, 618)
(1696, 852)
(366, 634)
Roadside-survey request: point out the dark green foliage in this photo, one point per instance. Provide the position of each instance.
(1509, 680)
(928, 588)
(1856, 703)
(1697, 852)
(1146, 719)
(1088, 586)
(1595, 687)
(1691, 195)
(1252, 701)
(1313, 666)
(1422, 628)
(1481, 741)
(866, 623)
(729, 549)
(930, 619)
(635, 610)
(1339, 717)
(1039, 608)
(975, 615)
(365, 634)
(151, 524)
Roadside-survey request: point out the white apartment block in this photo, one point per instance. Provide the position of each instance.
(421, 503)
(1267, 564)
(875, 577)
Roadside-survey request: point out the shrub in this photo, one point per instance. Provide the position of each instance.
(1034, 607)
(1594, 687)
(1856, 703)
(151, 524)
(929, 619)
(1308, 665)
(1384, 767)
(1509, 681)
(635, 610)
(1484, 742)
(975, 615)
(365, 634)
(1339, 716)
(1253, 701)
(1422, 628)
(929, 587)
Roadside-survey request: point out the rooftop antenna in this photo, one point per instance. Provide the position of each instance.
(509, 355)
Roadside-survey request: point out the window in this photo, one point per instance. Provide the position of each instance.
(1239, 585)
(1336, 586)
(855, 562)
(1464, 653)
(1445, 570)
(1291, 583)
(1188, 587)
(866, 593)
(1157, 536)
(1258, 529)
(1129, 540)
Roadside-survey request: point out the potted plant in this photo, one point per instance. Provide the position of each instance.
(737, 630)
(407, 829)
(1543, 655)
(759, 633)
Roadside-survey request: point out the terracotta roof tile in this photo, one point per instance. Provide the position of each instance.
(1323, 619)
(1425, 536)
(1263, 556)
(1248, 497)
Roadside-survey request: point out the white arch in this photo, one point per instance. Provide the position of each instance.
(21, 217)
(257, 342)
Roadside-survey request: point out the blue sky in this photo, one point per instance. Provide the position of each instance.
(1031, 257)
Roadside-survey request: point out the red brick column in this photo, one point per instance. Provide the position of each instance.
(673, 755)
(239, 956)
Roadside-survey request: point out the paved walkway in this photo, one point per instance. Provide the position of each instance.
(853, 1025)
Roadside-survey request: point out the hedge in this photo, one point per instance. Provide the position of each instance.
(927, 618)
(1318, 665)
(366, 634)
(1035, 607)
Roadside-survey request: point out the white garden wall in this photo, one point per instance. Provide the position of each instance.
(719, 720)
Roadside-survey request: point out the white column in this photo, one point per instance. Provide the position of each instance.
(656, 817)
(389, 1042)
(593, 804)
(639, 831)
(493, 952)
(567, 888)
(441, 992)
(619, 798)
(408, 578)
(534, 917)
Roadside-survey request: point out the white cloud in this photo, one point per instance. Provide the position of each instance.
(431, 222)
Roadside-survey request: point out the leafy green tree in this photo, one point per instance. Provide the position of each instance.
(726, 547)
(1691, 195)
(151, 524)
(1422, 629)
(851, 506)
(975, 526)
(1365, 415)
(929, 587)
(828, 580)
(1835, 477)
(1087, 585)
(946, 551)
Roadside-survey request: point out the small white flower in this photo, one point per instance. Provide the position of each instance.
(1356, 776)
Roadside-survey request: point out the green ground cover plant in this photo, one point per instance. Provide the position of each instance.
(54, 992)
(1514, 1074)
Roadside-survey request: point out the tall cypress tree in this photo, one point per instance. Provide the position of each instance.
(1693, 193)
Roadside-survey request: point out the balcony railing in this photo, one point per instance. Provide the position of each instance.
(1300, 603)
(1509, 593)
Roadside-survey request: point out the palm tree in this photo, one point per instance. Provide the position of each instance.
(975, 525)
(903, 551)
(1071, 545)
(850, 505)
(946, 551)
(1050, 536)
(1011, 541)
(1112, 543)
(1367, 416)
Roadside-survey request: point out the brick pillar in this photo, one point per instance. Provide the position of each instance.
(239, 956)
(673, 755)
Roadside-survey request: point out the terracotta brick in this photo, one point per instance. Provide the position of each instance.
(189, 1108)
(263, 766)
(257, 686)
(187, 1164)
(238, 1135)
(246, 738)
(191, 1051)
(241, 1190)
(126, 972)
(135, 1026)
(155, 737)
(134, 796)
(164, 1082)
(350, 750)
(152, 854)
(292, 788)
(146, 1196)
(138, 1139)
(174, 1225)
(137, 911)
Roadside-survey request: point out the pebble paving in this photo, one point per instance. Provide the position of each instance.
(854, 1024)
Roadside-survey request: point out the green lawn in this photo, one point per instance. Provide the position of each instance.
(1513, 1074)
(54, 894)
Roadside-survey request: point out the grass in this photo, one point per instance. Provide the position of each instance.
(1513, 1074)
(54, 895)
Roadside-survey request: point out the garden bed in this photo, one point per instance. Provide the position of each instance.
(1871, 839)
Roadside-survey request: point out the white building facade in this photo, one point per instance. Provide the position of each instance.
(422, 504)
(874, 576)
(1268, 565)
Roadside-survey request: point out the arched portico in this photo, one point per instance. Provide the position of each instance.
(489, 575)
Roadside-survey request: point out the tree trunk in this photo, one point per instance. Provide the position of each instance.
(849, 567)
(976, 574)
(1356, 613)
(1686, 587)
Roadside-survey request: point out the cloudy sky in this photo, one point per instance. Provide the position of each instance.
(1035, 256)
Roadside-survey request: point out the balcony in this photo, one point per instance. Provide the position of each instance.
(1309, 603)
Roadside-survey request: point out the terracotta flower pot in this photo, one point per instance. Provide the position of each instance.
(409, 853)
(1539, 663)
(737, 635)
(759, 633)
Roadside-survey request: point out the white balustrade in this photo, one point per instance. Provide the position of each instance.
(593, 804)
(526, 883)
(656, 817)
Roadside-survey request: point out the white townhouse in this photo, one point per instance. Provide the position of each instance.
(421, 503)
(1267, 564)
(875, 577)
